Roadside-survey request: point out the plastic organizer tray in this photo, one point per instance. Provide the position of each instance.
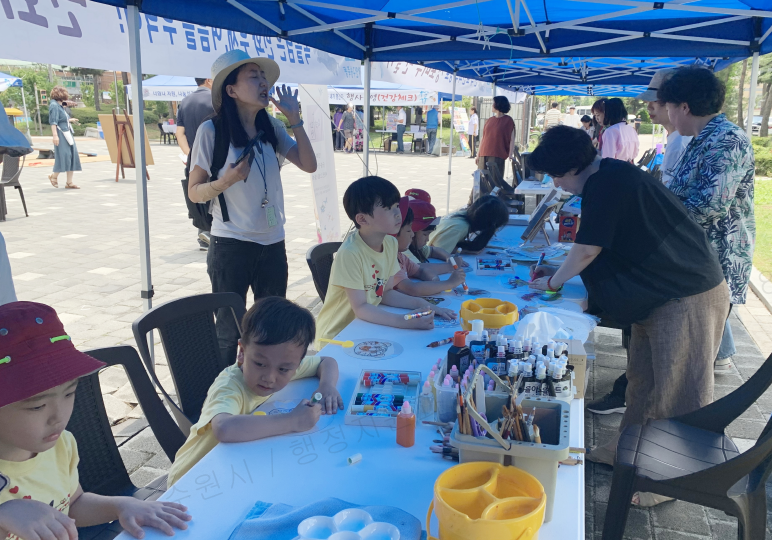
(381, 410)
(494, 313)
(349, 524)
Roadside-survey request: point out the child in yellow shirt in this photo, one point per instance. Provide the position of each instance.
(363, 270)
(275, 337)
(40, 494)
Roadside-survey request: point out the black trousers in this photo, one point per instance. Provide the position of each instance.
(235, 266)
(472, 144)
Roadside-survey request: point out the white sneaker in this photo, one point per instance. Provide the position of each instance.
(723, 365)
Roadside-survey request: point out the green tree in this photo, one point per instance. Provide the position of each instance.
(97, 76)
(119, 97)
(31, 77)
(645, 118)
(765, 77)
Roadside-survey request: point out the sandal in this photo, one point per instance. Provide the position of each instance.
(71, 186)
(54, 181)
(644, 499)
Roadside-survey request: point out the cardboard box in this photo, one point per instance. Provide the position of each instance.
(577, 357)
(569, 226)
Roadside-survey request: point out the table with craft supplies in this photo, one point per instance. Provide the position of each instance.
(300, 469)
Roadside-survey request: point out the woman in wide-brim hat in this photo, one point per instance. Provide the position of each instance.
(247, 202)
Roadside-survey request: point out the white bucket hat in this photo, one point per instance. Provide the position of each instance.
(226, 63)
(655, 84)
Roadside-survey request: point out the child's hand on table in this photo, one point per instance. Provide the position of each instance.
(457, 277)
(331, 400)
(445, 313)
(34, 519)
(133, 514)
(422, 323)
(305, 416)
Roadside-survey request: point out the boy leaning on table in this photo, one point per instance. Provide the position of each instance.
(40, 495)
(362, 275)
(275, 337)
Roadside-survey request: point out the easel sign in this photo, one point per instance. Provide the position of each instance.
(539, 219)
(119, 137)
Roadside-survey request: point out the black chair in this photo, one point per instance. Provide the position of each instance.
(164, 137)
(690, 458)
(101, 468)
(9, 177)
(319, 259)
(189, 339)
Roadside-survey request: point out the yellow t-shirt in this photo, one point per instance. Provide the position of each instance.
(228, 394)
(450, 231)
(356, 266)
(426, 251)
(50, 477)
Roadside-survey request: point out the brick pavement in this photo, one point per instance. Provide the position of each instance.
(78, 251)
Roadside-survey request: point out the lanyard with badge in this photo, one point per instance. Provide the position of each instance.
(249, 153)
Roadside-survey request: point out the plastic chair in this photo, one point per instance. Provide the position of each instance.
(319, 259)
(690, 458)
(189, 339)
(101, 468)
(12, 167)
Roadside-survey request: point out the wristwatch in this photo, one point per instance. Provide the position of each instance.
(300, 124)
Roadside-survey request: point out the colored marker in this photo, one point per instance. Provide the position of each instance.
(455, 267)
(541, 259)
(440, 343)
(411, 316)
(317, 397)
(372, 379)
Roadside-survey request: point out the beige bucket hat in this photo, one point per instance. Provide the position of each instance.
(226, 63)
(655, 84)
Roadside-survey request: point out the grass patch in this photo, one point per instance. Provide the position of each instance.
(762, 256)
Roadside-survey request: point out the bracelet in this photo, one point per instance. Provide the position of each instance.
(297, 125)
(549, 285)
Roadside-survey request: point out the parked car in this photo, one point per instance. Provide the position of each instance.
(757, 124)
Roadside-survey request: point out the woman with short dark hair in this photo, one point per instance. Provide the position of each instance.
(646, 263)
(714, 178)
(598, 111)
(620, 140)
(66, 157)
(498, 140)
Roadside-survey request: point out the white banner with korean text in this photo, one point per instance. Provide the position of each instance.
(92, 35)
(316, 119)
(414, 97)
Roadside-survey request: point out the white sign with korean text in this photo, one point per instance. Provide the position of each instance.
(316, 118)
(92, 35)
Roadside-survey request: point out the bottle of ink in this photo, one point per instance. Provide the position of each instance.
(530, 386)
(550, 354)
(541, 381)
(426, 402)
(406, 426)
(478, 347)
(491, 385)
(512, 371)
(458, 354)
(563, 386)
(518, 350)
(535, 348)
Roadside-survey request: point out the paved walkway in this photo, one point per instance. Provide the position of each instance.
(78, 251)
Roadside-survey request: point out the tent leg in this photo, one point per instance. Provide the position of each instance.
(450, 149)
(26, 114)
(366, 138)
(494, 88)
(135, 61)
(752, 97)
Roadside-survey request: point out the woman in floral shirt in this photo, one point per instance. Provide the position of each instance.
(714, 178)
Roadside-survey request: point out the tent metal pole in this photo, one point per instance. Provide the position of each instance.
(494, 89)
(135, 63)
(366, 138)
(117, 94)
(26, 114)
(752, 97)
(450, 149)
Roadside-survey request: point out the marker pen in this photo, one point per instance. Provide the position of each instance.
(452, 261)
(411, 316)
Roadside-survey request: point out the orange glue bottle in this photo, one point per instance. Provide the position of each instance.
(406, 426)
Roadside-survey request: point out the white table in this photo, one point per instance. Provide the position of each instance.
(169, 128)
(283, 469)
(533, 187)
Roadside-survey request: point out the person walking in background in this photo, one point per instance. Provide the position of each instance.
(192, 112)
(553, 116)
(598, 111)
(401, 120)
(637, 123)
(498, 142)
(338, 132)
(472, 130)
(346, 123)
(572, 119)
(620, 140)
(431, 128)
(66, 157)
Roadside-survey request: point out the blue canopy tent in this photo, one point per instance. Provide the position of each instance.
(9, 81)
(485, 38)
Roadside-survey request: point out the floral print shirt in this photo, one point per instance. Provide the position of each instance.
(714, 180)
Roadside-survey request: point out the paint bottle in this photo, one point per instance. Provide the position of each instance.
(562, 383)
(499, 364)
(518, 350)
(454, 373)
(530, 386)
(458, 354)
(491, 385)
(426, 400)
(541, 381)
(550, 354)
(535, 348)
(513, 367)
(447, 400)
(406, 426)
(526, 348)
(478, 348)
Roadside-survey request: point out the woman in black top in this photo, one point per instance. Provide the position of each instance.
(645, 262)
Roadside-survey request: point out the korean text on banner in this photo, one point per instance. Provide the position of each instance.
(94, 35)
(316, 117)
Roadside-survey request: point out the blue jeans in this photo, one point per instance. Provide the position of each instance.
(727, 348)
(431, 134)
(400, 134)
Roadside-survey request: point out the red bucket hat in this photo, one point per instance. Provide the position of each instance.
(419, 194)
(35, 352)
(403, 207)
(424, 214)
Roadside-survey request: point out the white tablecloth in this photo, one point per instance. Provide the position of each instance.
(169, 128)
(532, 187)
(303, 468)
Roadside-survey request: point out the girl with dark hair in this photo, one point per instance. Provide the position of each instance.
(480, 220)
(620, 140)
(235, 163)
(498, 140)
(598, 111)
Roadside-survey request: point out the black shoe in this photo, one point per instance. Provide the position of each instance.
(608, 404)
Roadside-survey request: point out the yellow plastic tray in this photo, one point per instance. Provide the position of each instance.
(494, 313)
